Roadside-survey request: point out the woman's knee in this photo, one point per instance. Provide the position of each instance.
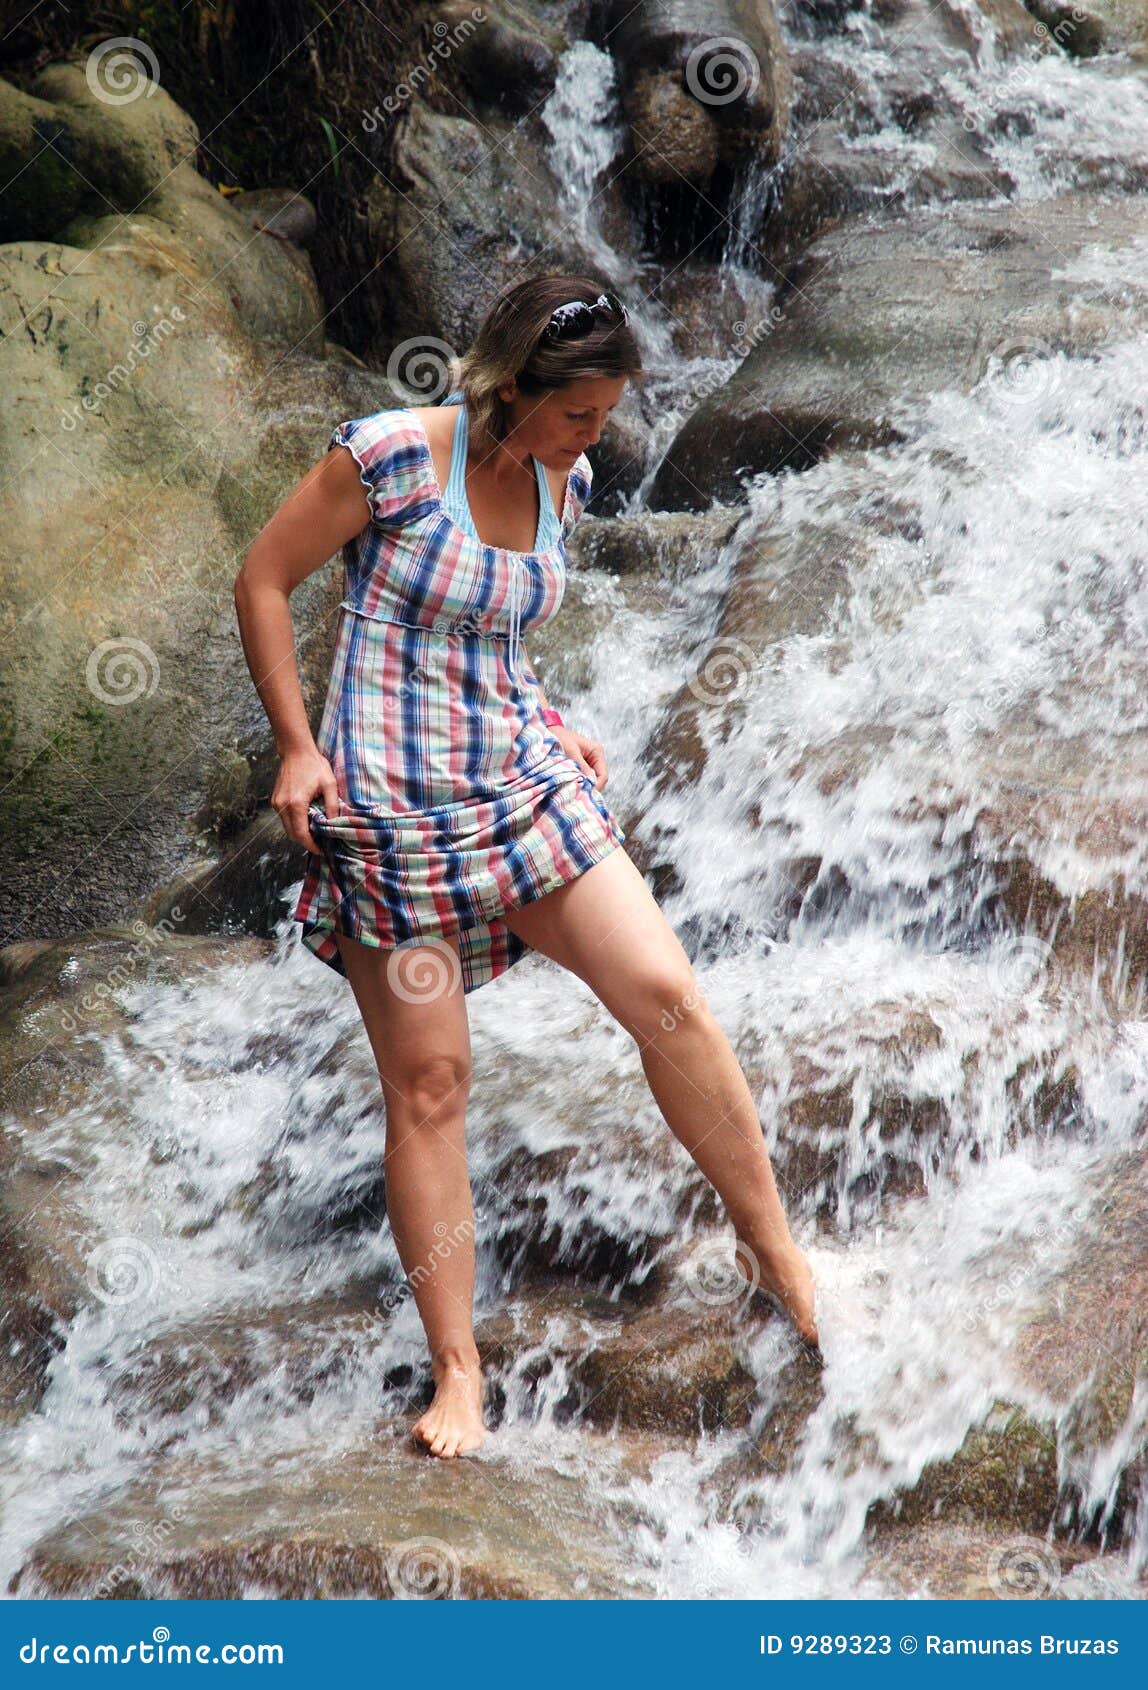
(661, 998)
(430, 1088)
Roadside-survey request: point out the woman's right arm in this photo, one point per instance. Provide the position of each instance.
(327, 508)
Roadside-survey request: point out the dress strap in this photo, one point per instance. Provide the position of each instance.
(548, 525)
(454, 493)
(458, 508)
(456, 479)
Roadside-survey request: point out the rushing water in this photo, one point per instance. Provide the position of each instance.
(989, 636)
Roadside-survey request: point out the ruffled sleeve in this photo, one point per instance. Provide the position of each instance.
(577, 493)
(383, 447)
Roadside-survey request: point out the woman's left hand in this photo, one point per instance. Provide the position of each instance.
(589, 755)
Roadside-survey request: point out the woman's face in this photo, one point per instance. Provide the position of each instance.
(557, 426)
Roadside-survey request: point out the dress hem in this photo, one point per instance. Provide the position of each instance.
(318, 937)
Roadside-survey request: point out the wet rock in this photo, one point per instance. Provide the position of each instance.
(1112, 26)
(701, 81)
(705, 321)
(705, 98)
(663, 544)
(673, 1370)
(871, 323)
(1089, 920)
(1086, 1352)
(619, 460)
(782, 584)
(1012, 28)
(500, 62)
(534, 1240)
(960, 1563)
(33, 1305)
(463, 197)
(1076, 1461)
(853, 1133)
(176, 363)
(57, 1001)
(742, 1485)
(1004, 1472)
(240, 891)
(832, 169)
(376, 1520)
(178, 1381)
(670, 1370)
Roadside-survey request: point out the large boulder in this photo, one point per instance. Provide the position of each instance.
(168, 383)
(1112, 26)
(702, 84)
(879, 314)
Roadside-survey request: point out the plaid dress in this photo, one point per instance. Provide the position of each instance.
(456, 800)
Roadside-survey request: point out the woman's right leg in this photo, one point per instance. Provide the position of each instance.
(414, 1011)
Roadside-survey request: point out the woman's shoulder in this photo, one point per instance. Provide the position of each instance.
(582, 473)
(391, 454)
(578, 487)
(394, 427)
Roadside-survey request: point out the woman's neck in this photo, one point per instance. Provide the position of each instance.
(502, 460)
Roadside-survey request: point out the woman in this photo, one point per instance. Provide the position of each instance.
(453, 820)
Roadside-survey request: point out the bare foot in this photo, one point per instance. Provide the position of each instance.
(453, 1423)
(786, 1273)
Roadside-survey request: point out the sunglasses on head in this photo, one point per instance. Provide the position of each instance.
(571, 321)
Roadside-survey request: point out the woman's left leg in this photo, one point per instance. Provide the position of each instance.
(607, 928)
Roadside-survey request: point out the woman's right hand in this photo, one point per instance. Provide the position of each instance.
(302, 774)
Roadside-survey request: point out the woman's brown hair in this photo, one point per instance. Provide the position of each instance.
(509, 343)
